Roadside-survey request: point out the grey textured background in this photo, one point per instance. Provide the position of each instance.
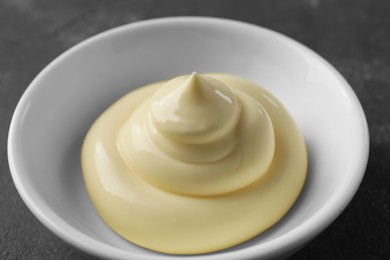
(353, 35)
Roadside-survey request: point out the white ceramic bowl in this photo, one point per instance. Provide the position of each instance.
(59, 106)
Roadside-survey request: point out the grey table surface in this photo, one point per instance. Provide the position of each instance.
(353, 35)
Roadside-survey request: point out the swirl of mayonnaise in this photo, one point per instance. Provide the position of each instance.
(194, 164)
(196, 131)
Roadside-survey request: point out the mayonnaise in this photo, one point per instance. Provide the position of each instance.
(194, 164)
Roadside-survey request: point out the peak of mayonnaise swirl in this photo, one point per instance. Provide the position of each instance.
(194, 109)
(196, 136)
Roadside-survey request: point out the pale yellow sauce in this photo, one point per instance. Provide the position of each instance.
(195, 164)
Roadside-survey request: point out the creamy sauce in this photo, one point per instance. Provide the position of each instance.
(195, 164)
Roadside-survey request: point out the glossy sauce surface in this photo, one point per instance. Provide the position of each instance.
(194, 164)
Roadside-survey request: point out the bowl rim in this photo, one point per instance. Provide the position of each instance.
(298, 236)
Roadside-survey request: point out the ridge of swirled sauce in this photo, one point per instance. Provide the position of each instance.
(194, 164)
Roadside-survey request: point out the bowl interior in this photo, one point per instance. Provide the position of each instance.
(60, 105)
